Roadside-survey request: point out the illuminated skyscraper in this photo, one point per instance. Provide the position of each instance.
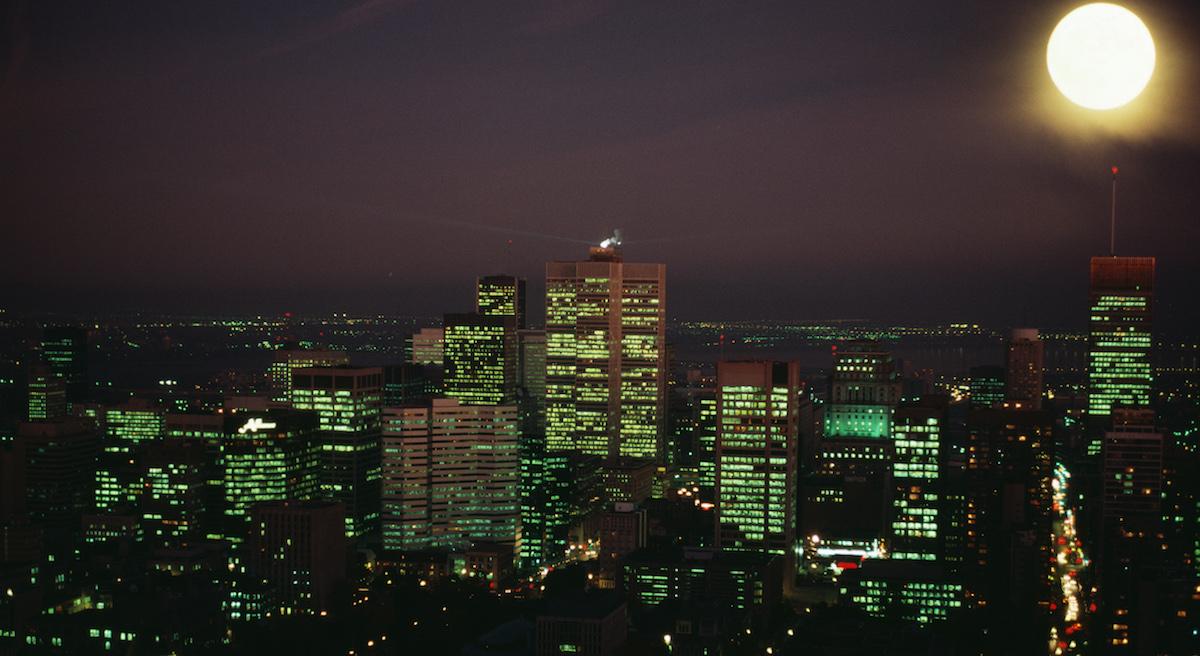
(757, 441)
(348, 402)
(268, 456)
(209, 431)
(606, 356)
(917, 522)
(289, 359)
(531, 408)
(481, 359)
(65, 350)
(501, 296)
(1122, 298)
(174, 491)
(118, 477)
(848, 500)
(1023, 375)
(47, 394)
(451, 475)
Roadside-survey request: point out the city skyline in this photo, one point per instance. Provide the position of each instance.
(600, 328)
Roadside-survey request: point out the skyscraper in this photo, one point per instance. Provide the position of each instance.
(298, 548)
(427, 346)
(47, 396)
(174, 492)
(348, 402)
(502, 296)
(848, 500)
(987, 385)
(58, 460)
(481, 359)
(1122, 299)
(65, 351)
(269, 456)
(289, 359)
(1008, 514)
(917, 522)
(451, 475)
(757, 442)
(606, 356)
(118, 477)
(1023, 375)
(531, 409)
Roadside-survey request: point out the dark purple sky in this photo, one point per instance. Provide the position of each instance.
(895, 160)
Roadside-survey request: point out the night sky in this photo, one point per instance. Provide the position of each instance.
(905, 161)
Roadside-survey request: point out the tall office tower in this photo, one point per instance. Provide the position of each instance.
(297, 547)
(1008, 510)
(757, 442)
(917, 522)
(58, 459)
(606, 356)
(174, 493)
(987, 385)
(451, 474)
(1133, 468)
(427, 346)
(289, 359)
(404, 383)
(118, 476)
(65, 350)
(47, 394)
(531, 410)
(348, 401)
(694, 427)
(1122, 298)
(848, 503)
(1023, 376)
(1131, 560)
(271, 455)
(209, 431)
(481, 359)
(501, 296)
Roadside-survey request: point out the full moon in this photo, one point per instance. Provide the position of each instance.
(1100, 56)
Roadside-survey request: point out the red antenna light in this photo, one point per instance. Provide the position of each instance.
(1114, 170)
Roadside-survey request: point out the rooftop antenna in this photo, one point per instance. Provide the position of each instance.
(1112, 223)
